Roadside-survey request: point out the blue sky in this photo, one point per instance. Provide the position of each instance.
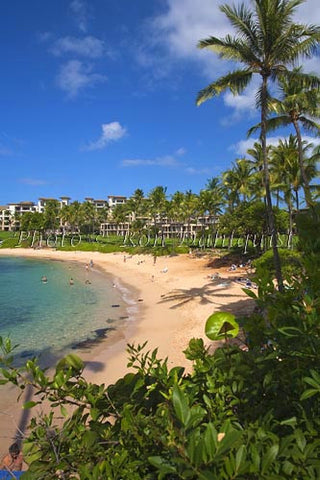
(98, 97)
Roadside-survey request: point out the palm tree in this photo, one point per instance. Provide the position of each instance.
(286, 173)
(311, 168)
(136, 203)
(65, 217)
(75, 213)
(257, 181)
(267, 41)
(211, 203)
(89, 216)
(157, 204)
(120, 216)
(190, 206)
(238, 180)
(298, 105)
(51, 214)
(176, 206)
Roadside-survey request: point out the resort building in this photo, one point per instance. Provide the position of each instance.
(5, 219)
(14, 211)
(98, 204)
(10, 218)
(114, 200)
(42, 202)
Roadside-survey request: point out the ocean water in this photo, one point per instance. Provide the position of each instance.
(51, 319)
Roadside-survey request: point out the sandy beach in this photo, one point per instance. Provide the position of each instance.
(172, 297)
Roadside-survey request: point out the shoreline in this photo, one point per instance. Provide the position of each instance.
(172, 299)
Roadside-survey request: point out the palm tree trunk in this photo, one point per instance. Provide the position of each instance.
(271, 221)
(305, 182)
(297, 200)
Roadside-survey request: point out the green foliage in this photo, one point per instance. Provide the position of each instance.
(241, 415)
(250, 218)
(245, 415)
(221, 325)
(9, 241)
(291, 264)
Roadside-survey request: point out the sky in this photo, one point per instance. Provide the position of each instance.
(98, 97)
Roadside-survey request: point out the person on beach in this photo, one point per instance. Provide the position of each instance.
(13, 460)
(91, 263)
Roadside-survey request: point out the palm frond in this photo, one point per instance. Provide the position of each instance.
(242, 20)
(230, 48)
(235, 81)
(310, 125)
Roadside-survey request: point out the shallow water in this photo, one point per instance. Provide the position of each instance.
(54, 318)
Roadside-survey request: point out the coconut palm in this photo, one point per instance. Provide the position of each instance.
(75, 213)
(89, 216)
(211, 203)
(176, 206)
(299, 104)
(238, 180)
(267, 42)
(257, 182)
(190, 206)
(157, 204)
(286, 173)
(136, 204)
(312, 171)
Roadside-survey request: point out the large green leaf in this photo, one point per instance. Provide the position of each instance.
(269, 457)
(221, 325)
(180, 405)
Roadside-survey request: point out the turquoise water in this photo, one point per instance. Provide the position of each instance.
(54, 318)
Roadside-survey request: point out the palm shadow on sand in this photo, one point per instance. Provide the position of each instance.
(208, 293)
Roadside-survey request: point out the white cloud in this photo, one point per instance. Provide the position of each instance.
(185, 22)
(111, 132)
(181, 151)
(241, 147)
(80, 12)
(74, 76)
(33, 182)
(174, 34)
(198, 171)
(165, 161)
(178, 29)
(89, 46)
(169, 161)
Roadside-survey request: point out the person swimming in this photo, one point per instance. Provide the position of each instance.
(44, 279)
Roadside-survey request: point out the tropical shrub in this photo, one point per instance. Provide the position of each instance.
(239, 415)
(291, 264)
